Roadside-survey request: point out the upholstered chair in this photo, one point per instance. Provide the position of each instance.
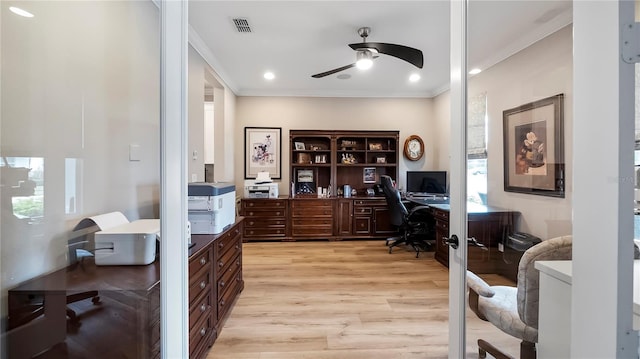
(514, 310)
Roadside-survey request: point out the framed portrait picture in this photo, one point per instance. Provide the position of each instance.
(375, 146)
(369, 175)
(262, 151)
(299, 146)
(534, 148)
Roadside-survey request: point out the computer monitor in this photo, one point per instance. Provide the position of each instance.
(427, 182)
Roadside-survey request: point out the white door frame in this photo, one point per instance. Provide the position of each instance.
(603, 87)
(458, 182)
(174, 304)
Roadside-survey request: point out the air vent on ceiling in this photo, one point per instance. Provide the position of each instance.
(242, 25)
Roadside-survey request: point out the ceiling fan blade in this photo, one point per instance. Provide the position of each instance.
(406, 53)
(331, 72)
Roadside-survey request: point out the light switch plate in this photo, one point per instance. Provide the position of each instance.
(135, 153)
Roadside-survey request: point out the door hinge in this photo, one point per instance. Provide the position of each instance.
(631, 43)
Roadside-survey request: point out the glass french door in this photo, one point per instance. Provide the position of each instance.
(530, 164)
(80, 129)
(511, 148)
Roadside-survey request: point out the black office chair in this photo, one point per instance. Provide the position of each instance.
(413, 231)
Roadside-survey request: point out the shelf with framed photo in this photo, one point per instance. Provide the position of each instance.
(341, 157)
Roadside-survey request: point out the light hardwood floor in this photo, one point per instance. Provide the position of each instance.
(344, 300)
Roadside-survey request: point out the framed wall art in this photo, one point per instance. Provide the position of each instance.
(369, 175)
(534, 147)
(262, 151)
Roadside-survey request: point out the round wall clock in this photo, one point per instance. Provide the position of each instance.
(413, 148)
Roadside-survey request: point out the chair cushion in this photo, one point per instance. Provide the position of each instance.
(502, 310)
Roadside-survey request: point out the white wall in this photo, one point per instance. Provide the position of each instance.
(196, 152)
(79, 80)
(541, 70)
(409, 116)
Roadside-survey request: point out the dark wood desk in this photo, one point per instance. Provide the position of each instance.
(133, 296)
(487, 225)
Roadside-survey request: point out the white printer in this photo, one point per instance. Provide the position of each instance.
(261, 187)
(131, 243)
(212, 207)
(262, 190)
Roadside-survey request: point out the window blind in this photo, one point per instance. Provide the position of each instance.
(476, 127)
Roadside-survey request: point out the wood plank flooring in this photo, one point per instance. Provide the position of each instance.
(344, 300)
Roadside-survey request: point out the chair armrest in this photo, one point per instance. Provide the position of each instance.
(416, 209)
(479, 286)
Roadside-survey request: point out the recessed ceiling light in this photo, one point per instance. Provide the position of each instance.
(19, 11)
(414, 78)
(269, 75)
(475, 71)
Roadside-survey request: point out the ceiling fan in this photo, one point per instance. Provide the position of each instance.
(366, 52)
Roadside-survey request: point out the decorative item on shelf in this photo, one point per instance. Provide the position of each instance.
(299, 146)
(369, 175)
(381, 159)
(304, 188)
(304, 158)
(348, 159)
(316, 148)
(348, 145)
(370, 192)
(375, 146)
(321, 158)
(413, 148)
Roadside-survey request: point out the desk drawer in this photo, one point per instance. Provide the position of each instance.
(228, 242)
(360, 210)
(200, 335)
(444, 226)
(200, 308)
(266, 213)
(265, 232)
(229, 295)
(226, 278)
(439, 214)
(250, 204)
(369, 202)
(200, 261)
(265, 222)
(225, 260)
(199, 284)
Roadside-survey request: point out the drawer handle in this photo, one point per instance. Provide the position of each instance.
(221, 284)
(251, 213)
(221, 264)
(203, 284)
(222, 302)
(220, 245)
(250, 232)
(203, 307)
(251, 204)
(237, 246)
(252, 223)
(203, 260)
(203, 331)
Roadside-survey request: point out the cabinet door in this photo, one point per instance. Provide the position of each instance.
(344, 216)
(382, 221)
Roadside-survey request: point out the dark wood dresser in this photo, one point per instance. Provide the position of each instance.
(130, 301)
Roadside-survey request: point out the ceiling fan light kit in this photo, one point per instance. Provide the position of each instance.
(365, 54)
(364, 59)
